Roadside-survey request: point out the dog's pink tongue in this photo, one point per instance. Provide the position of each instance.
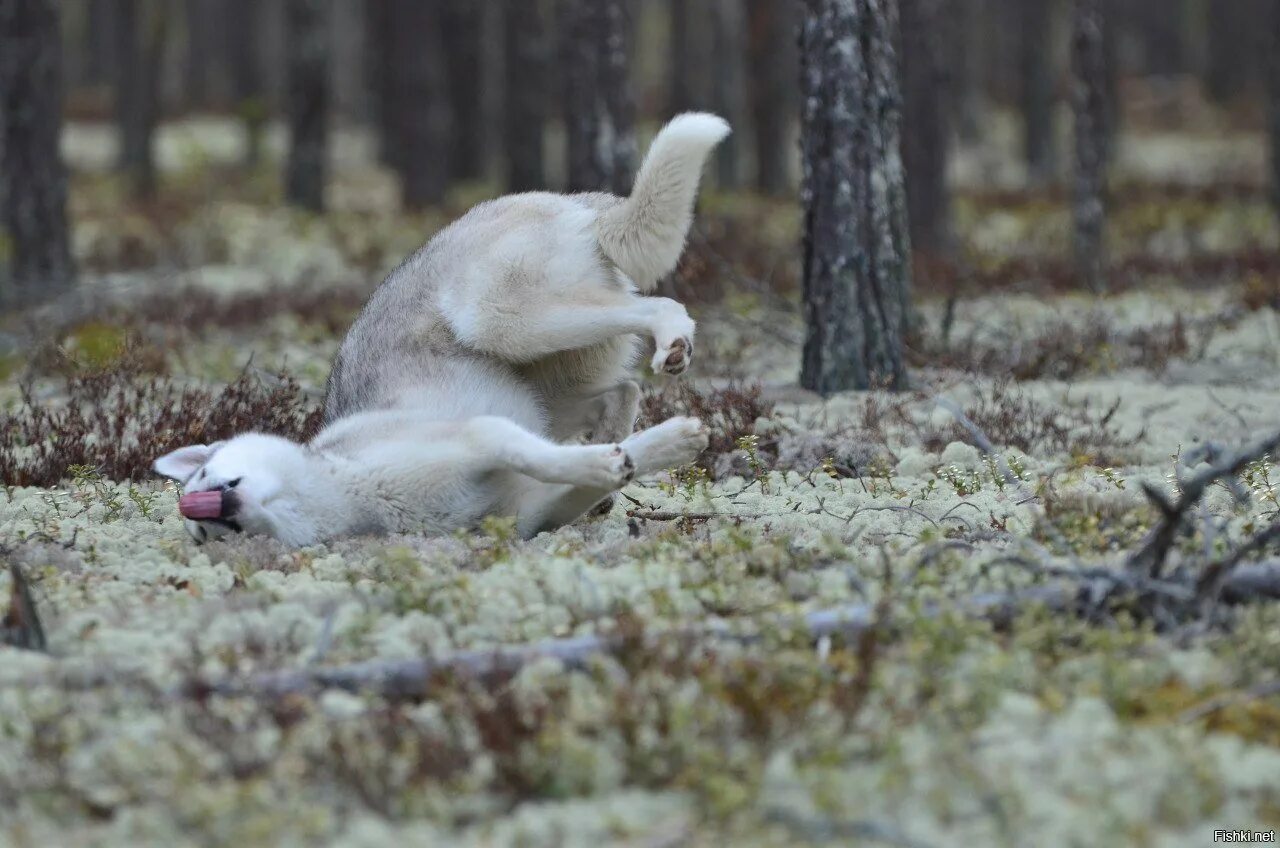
(199, 505)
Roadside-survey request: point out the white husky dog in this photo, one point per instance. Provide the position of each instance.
(466, 384)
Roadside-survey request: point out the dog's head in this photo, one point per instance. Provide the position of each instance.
(250, 484)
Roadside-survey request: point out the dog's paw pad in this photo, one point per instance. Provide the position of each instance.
(675, 358)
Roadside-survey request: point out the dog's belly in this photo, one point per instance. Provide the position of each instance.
(585, 371)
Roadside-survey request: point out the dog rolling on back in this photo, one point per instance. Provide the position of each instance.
(509, 334)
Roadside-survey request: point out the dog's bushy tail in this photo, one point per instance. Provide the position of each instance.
(644, 235)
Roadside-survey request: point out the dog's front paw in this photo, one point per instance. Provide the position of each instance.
(674, 358)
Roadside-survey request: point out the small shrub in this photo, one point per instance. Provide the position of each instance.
(730, 414)
(117, 419)
(1011, 418)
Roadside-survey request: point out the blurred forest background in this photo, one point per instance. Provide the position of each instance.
(394, 104)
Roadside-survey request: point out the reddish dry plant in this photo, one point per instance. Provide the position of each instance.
(118, 419)
(730, 412)
(201, 312)
(1066, 351)
(1011, 418)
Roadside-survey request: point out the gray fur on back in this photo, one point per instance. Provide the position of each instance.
(401, 352)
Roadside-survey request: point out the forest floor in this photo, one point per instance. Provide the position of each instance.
(942, 718)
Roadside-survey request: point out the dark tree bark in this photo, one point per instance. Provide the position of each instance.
(968, 24)
(772, 65)
(307, 101)
(1272, 43)
(856, 244)
(728, 82)
(1231, 33)
(140, 28)
(680, 97)
(926, 131)
(33, 180)
(379, 68)
(416, 109)
(1036, 61)
(527, 55)
(462, 23)
(245, 62)
(1160, 27)
(1089, 102)
(198, 52)
(599, 105)
(99, 44)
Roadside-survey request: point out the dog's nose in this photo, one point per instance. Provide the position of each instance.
(201, 505)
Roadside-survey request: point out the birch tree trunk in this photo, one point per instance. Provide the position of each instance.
(1089, 101)
(307, 101)
(33, 180)
(527, 56)
(598, 101)
(856, 245)
(1036, 60)
(926, 133)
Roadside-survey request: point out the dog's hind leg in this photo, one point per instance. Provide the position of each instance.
(673, 442)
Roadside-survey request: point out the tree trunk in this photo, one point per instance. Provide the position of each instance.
(926, 131)
(462, 21)
(1036, 61)
(1161, 27)
(1272, 42)
(968, 25)
(1231, 64)
(244, 60)
(379, 36)
(728, 94)
(1089, 101)
(417, 106)
(198, 54)
(598, 101)
(856, 244)
(772, 65)
(307, 101)
(140, 28)
(33, 180)
(99, 43)
(527, 56)
(680, 97)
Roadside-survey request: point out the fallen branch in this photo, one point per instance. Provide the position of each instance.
(411, 678)
(1230, 699)
(20, 627)
(1150, 558)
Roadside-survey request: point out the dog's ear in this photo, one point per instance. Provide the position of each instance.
(184, 462)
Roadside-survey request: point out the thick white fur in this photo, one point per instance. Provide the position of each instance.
(390, 472)
(645, 235)
(510, 333)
